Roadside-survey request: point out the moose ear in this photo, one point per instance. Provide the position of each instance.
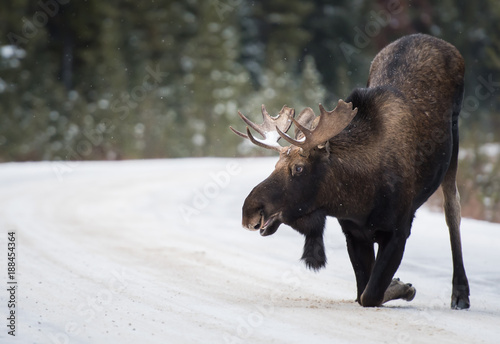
(307, 119)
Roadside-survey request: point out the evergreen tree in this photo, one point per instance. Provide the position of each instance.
(312, 91)
(213, 83)
(127, 79)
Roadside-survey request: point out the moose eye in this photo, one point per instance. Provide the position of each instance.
(298, 169)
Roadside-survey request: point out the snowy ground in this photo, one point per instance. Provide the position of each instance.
(153, 252)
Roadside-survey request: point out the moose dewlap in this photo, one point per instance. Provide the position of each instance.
(371, 163)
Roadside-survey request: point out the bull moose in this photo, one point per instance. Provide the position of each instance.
(371, 163)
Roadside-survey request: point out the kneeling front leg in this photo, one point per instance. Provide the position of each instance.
(381, 287)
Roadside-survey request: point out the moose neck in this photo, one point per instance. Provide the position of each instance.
(348, 188)
(354, 161)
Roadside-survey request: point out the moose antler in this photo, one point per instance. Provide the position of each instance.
(268, 129)
(330, 124)
(307, 119)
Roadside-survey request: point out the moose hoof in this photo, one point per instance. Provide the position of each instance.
(460, 295)
(460, 302)
(399, 290)
(410, 293)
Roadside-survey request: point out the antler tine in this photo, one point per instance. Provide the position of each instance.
(256, 142)
(265, 114)
(257, 128)
(322, 109)
(306, 119)
(268, 128)
(330, 124)
(239, 133)
(298, 143)
(282, 121)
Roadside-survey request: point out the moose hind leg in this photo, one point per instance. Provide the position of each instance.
(460, 293)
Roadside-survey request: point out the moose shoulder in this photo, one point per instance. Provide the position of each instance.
(371, 163)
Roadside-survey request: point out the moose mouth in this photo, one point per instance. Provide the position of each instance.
(269, 226)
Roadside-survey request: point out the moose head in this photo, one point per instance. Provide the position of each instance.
(292, 194)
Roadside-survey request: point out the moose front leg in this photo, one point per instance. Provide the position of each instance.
(362, 259)
(381, 287)
(361, 255)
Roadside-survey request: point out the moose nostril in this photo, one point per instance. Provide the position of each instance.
(258, 225)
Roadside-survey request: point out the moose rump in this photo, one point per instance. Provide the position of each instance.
(371, 163)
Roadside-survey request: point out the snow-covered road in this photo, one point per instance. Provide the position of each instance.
(153, 252)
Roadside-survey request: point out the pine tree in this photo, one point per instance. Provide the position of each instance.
(214, 81)
(311, 88)
(27, 123)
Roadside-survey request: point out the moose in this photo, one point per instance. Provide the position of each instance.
(371, 163)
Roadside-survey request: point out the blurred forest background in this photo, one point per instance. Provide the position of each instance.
(119, 79)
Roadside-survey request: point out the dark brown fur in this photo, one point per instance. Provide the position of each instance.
(373, 176)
